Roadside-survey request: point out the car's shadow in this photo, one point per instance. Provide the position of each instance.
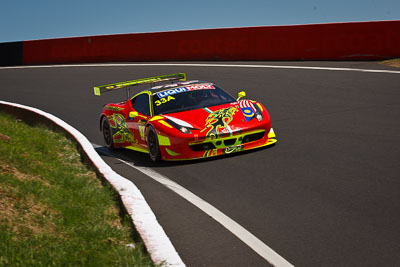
(143, 160)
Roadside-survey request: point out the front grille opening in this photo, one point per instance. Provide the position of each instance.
(202, 147)
(253, 137)
(229, 142)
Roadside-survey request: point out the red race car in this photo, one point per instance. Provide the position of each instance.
(183, 120)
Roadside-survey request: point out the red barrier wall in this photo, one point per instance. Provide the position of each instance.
(336, 41)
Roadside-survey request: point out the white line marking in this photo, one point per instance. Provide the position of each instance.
(203, 65)
(248, 238)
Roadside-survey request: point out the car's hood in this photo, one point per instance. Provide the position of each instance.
(230, 117)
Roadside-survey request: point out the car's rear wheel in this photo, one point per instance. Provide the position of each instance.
(107, 133)
(152, 143)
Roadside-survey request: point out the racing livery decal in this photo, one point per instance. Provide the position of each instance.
(210, 153)
(108, 107)
(163, 100)
(142, 129)
(189, 119)
(120, 130)
(217, 122)
(247, 109)
(233, 149)
(226, 150)
(184, 89)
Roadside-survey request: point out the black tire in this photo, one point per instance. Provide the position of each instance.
(152, 143)
(107, 133)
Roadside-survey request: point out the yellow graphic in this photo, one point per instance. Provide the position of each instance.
(163, 100)
(271, 137)
(121, 132)
(156, 118)
(141, 131)
(171, 153)
(165, 124)
(210, 153)
(218, 122)
(163, 140)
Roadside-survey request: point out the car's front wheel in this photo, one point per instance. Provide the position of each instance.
(152, 143)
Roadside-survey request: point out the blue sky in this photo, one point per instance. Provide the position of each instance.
(41, 19)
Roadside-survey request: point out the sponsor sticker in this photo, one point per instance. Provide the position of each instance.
(184, 89)
(233, 149)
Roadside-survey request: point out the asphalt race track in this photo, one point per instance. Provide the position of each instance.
(327, 194)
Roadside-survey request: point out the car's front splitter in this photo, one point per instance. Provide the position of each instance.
(169, 154)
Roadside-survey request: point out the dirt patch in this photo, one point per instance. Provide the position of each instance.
(23, 214)
(392, 63)
(21, 211)
(8, 169)
(4, 138)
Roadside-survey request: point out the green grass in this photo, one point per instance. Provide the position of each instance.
(54, 209)
(392, 62)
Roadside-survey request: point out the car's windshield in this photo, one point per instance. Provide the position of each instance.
(183, 99)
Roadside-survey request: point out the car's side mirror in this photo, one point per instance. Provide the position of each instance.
(241, 95)
(133, 114)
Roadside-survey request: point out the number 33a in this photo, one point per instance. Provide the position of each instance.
(163, 100)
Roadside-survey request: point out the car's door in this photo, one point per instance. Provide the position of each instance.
(138, 116)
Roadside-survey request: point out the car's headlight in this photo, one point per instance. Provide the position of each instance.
(185, 130)
(182, 129)
(258, 114)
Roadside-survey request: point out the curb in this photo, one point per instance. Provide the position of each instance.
(156, 241)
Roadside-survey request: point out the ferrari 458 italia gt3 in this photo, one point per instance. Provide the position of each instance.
(183, 120)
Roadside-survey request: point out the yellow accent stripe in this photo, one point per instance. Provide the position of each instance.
(165, 123)
(155, 118)
(139, 149)
(261, 108)
(163, 140)
(171, 153)
(271, 141)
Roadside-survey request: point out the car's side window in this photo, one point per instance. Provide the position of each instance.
(141, 104)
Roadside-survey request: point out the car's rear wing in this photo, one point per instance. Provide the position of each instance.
(163, 78)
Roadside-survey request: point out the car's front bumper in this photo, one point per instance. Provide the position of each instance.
(194, 149)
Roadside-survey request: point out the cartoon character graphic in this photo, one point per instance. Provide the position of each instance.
(217, 122)
(120, 129)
